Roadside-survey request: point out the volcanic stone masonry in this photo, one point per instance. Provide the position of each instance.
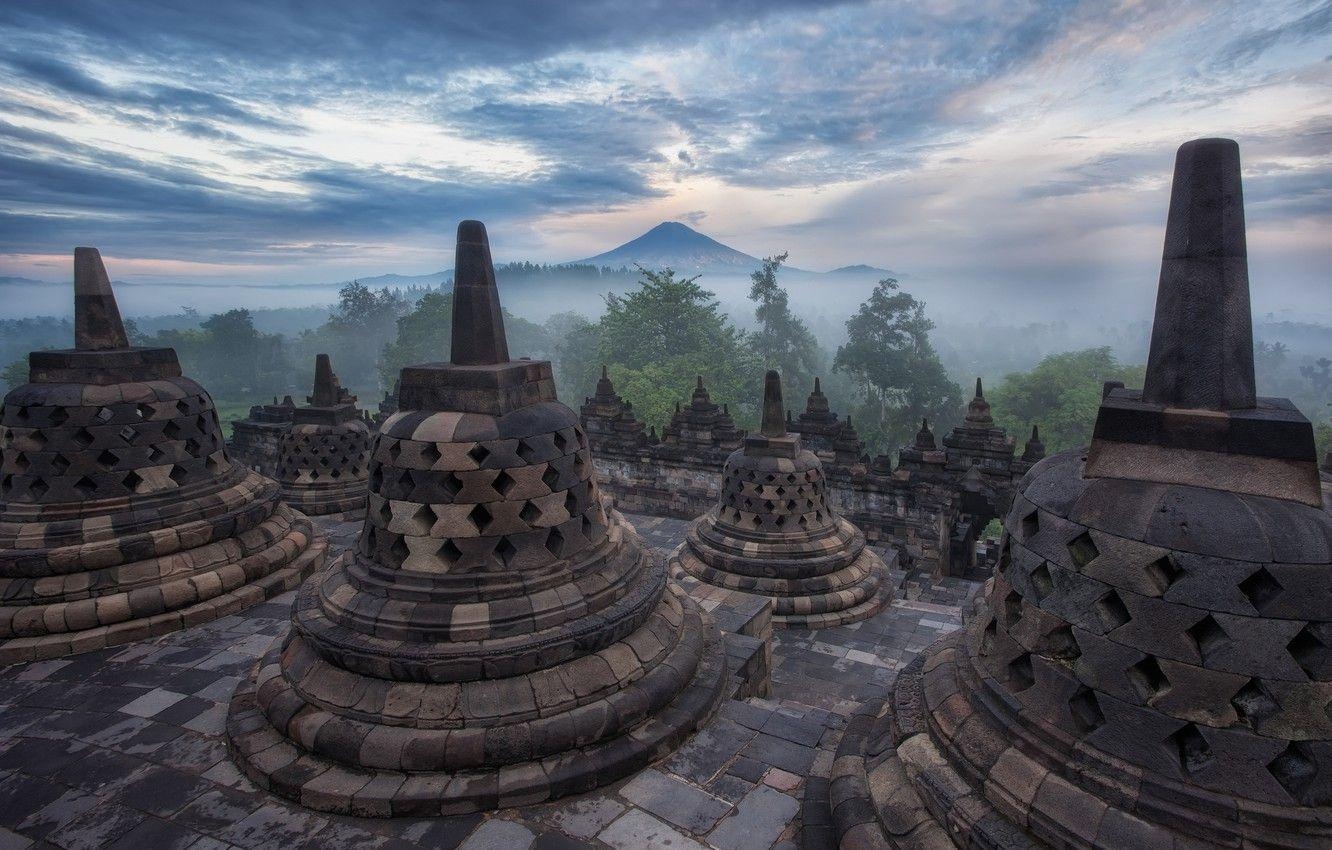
(1152, 664)
(930, 509)
(256, 439)
(499, 636)
(121, 516)
(774, 534)
(324, 455)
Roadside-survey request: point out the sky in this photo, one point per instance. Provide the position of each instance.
(1018, 150)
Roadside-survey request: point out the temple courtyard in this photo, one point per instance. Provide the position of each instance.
(125, 747)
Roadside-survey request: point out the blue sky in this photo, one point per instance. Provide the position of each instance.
(1021, 146)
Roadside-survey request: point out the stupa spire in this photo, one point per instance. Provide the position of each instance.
(325, 383)
(97, 324)
(478, 324)
(1202, 338)
(774, 425)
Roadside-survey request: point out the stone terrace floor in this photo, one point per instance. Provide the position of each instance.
(124, 747)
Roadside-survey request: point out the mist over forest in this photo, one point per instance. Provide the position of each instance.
(909, 356)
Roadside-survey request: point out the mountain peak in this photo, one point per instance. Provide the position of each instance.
(673, 244)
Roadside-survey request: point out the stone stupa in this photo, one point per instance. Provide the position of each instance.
(775, 534)
(499, 636)
(324, 456)
(1152, 664)
(121, 516)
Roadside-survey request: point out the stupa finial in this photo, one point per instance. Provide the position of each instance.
(325, 383)
(97, 324)
(1202, 337)
(774, 424)
(478, 324)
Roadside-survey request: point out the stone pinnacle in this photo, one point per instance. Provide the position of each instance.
(478, 324)
(97, 325)
(1202, 338)
(980, 392)
(325, 383)
(774, 425)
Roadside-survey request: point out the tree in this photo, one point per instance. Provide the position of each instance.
(1319, 373)
(896, 370)
(577, 358)
(15, 374)
(360, 325)
(782, 341)
(657, 338)
(1061, 395)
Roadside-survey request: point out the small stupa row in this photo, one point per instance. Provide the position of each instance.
(1152, 663)
(774, 533)
(121, 515)
(499, 635)
(701, 425)
(324, 455)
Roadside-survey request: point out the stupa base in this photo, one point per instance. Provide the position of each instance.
(374, 763)
(347, 505)
(280, 564)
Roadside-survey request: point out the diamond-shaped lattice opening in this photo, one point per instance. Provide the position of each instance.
(87, 489)
(171, 430)
(561, 443)
(1164, 572)
(192, 446)
(399, 550)
(768, 505)
(478, 453)
(84, 438)
(505, 551)
(1082, 550)
(385, 513)
(1005, 554)
(1012, 608)
(770, 478)
(103, 415)
(1031, 524)
(395, 451)
(1260, 589)
(184, 407)
(1192, 749)
(571, 503)
(38, 487)
(587, 526)
(21, 462)
(530, 513)
(1208, 636)
(127, 434)
(314, 475)
(6, 484)
(1041, 582)
(452, 485)
(144, 411)
(804, 520)
(1020, 675)
(555, 543)
(1111, 611)
(155, 454)
(107, 459)
(1059, 643)
(503, 483)
(132, 482)
(551, 478)
(780, 520)
(450, 552)
(525, 451)
(423, 520)
(58, 416)
(1254, 703)
(376, 477)
(430, 454)
(579, 460)
(1148, 679)
(780, 491)
(480, 517)
(59, 464)
(212, 465)
(1295, 769)
(1310, 651)
(1085, 710)
(178, 474)
(756, 521)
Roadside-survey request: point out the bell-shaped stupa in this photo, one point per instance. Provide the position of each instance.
(775, 534)
(121, 516)
(1152, 663)
(499, 636)
(324, 457)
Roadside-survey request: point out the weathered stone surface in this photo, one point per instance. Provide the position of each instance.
(499, 635)
(121, 515)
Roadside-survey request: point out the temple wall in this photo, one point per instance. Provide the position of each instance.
(255, 444)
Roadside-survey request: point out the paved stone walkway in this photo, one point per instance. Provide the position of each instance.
(124, 747)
